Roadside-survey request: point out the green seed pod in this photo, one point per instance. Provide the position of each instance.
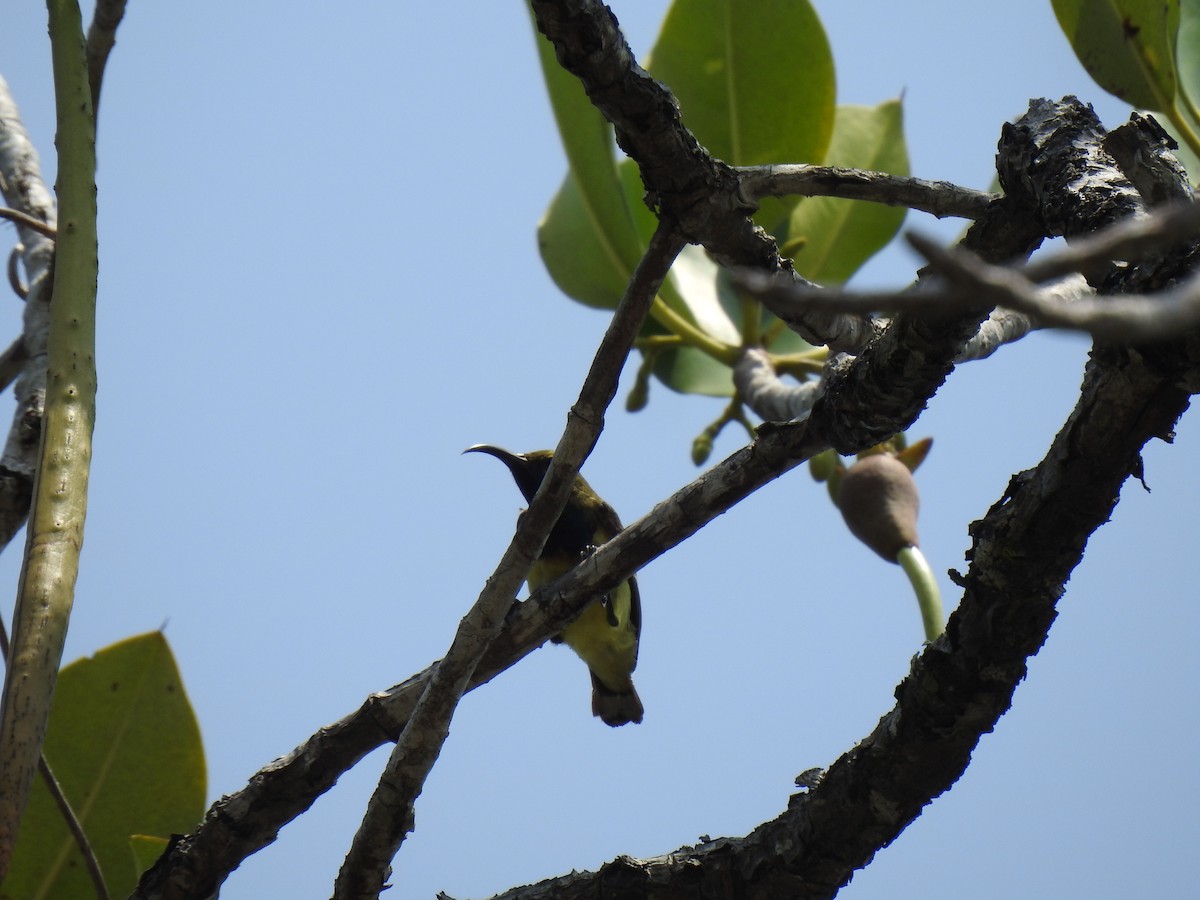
(822, 466)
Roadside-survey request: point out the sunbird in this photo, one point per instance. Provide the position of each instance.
(606, 634)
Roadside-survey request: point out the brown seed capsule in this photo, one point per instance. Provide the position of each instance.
(879, 501)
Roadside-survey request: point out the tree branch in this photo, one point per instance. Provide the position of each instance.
(101, 38)
(389, 816)
(970, 283)
(699, 195)
(939, 198)
(1024, 551)
(247, 820)
(34, 224)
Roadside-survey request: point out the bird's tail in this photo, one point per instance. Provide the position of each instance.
(615, 707)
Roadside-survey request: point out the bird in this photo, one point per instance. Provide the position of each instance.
(607, 632)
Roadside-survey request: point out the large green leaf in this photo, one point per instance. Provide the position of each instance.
(755, 83)
(840, 235)
(1127, 46)
(754, 78)
(577, 251)
(124, 743)
(587, 233)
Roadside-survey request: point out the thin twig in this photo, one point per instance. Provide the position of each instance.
(939, 198)
(1130, 319)
(15, 215)
(90, 862)
(700, 194)
(12, 361)
(1130, 239)
(20, 288)
(970, 283)
(389, 815)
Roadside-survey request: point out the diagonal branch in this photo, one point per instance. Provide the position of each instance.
(101, 38)
(1023, 553)
(389, 816)
(969, 283)
(248, 820)
(699, 195)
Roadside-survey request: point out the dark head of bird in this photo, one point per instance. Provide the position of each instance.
(528, 469)
(576, 527)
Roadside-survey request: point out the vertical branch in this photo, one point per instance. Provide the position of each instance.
(101, 38)
(55, 532)
(389, 815)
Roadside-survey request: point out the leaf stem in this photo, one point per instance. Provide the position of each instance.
(678, 325)
(925, 586)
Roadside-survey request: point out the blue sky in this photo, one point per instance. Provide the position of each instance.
(319, 283)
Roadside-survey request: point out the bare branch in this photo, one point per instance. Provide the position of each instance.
(389, 815)
(1129, 320)
(970, 284)
(12, 362)
(698, 194)
(101, 38)
(939, 198)
(1024, 550)
(15, 215)
(1136, 238)
(1143, 151)
(247, 820)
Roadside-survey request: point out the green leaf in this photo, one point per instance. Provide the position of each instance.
(576, 251)
(1187, 56)
(840, 235)
(124, 744)
(754, 78)
(588, 231)
(1127, 46)
(146, 850)
(700, 288)
(689, 371)
(755, 83)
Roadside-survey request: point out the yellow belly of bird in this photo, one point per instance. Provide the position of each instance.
(609, 651)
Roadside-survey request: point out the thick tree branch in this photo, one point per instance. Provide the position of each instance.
(245, 821)
(101, 38)
(701, 196)
(869, 398)
(1024, 550)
